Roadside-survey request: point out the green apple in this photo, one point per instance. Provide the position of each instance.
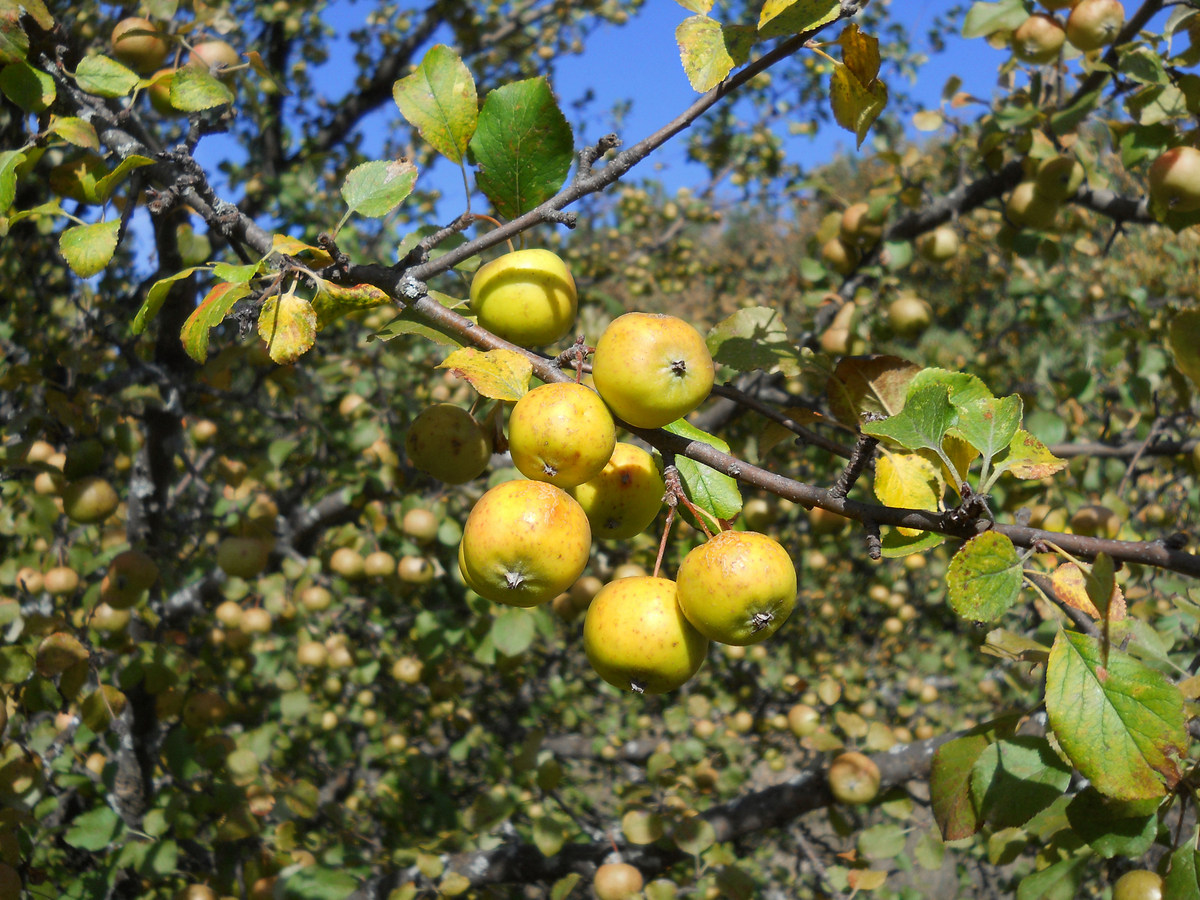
(909, 315)
(1058, 178)
(938, 245)
(130, 574)
(652, 369)
(853, 778)
(243, 557)
(139, 44)
(617, 881)
(527, 297)
(637, 638)
(1174, 180)
(840, 256)
(1095, 23)
(803, 720)
(1038, 39)
(561, 433)
(524, 543)
(858, 228)
(446, 442)
(1139, 884)
(347, 562)
(738, 587)
(89, 500)
(420, 524)
(1028, 209)
(625, 497)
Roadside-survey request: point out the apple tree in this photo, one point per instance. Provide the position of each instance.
(800, 532)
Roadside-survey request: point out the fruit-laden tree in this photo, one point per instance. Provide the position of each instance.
(845, 546)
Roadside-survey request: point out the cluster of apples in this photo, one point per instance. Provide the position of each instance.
(139, 44)
(1091, 25)
(527, 541)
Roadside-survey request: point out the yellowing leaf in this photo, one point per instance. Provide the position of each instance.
(496, 374)
(1028, 458)
(290, 246)
(866, 879)
(961, 453)
(208, 315)
(709, 50)
(1070, 586)
(794, 16)
(440, 101)
(860, 53)
(288, 324)
(88, 248)
(335, 300)
(855, 106)
(907, 480)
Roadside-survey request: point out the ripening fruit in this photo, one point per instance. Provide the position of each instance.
(738, 587)
(839, 256)
(1038, 39)
(938, 245)
(159, 93)
(379, 564)
(139, 44)
(1028, 209)
(195, 892)
(214, 56)
(89, 500)
(803, 720)
(1095, 520)
(1139, 884)
(617, 881)
(420, 524)
(858, 229)
(1058, 178)
(652, 369)
(909, 315)
(524, 543)
(243, 557)
(347, 562)
(1174, 180)
(415, 570)
(561, 433)
(853, 778)
(60, 580)
(625, 497)
(446, 442)
(637, 638)
(526, 297)
(1095, 23)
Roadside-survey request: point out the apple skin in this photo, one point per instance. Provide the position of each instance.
(89, 500)
(129, 575)
(652, 369)
(1058, 178)
(840, 256)
(858, 229)
(1027, 209)
(1174, 180)
(143, 51)
(625, 497)
(446, 442)
(1139, 884)
(637, 638)
(527, 297)
(738, 587)
(1039, 39)
(561, 433)
(909, 315)
(853, 778)
(938, 245)
(214, 56)
(243, 557)
(1095, 23)
(617, 881)
(524, 543)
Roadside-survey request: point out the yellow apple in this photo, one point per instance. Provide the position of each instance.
(1027, 209)
(840, 256)
(524, 543)
(215, 56)
(446, 442)
(853, 778)
(1058, 178)
(738, 587)
(617, 881)
(858, 228)
(526, 297)
(637, 638)
(1095, 23)
(89, 500)
(909, 315)
(561, 433)
(938, 245)
(1175, 180)
(1139, 884)
(624, 499)
(1038, 39)
(139, 44)
(652, 369)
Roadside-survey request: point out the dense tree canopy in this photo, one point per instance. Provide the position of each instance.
(324, 577)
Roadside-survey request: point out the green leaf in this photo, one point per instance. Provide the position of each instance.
(193, 89)
(105, 77)
(694, 835)
(950, 777)
(496, 374)
(319, 883)
(563, 887)
(522, 145)
(15, 665)
(1027, 458)
(1121, 725)
(94, 830)
(9, 161)
(512, 631)
(75, 130)
(964, 389)
(106, 185)
(779, 17)
(855, 105)
(988, 424)
(288, 325)
(14, 42)
(709, 50)
(986, 18)
(884, 841)
(984, 577)
(236, 274)
(1113, 827)
(922, 423)
(897, 545)
(208, 315)
(712, 491)
(156, 296)
(31, 89)
(88, 248)
(439, 100)
(408, 322)
(1183, 337)
(374, 189)
(1058, 882)
(754, 338)
(549, 834)
(1013, 780)
(1183, 877)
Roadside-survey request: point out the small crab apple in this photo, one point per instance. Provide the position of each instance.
(561, 433)
(938, 245)
(637, 638)
(446, 442)
(1038, 39)
(652, 369)
(858, 228)
(617, 881)
(215, 56)
(1026, 208)
(1058, 178)
(1139, 884)
(527, 297)
(524, 543)
(88, 500)
(139, 44)
(840, 256)
(1095, 23)
(625, 497)
(738, 587)
(853, 778)
(1174, 180)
